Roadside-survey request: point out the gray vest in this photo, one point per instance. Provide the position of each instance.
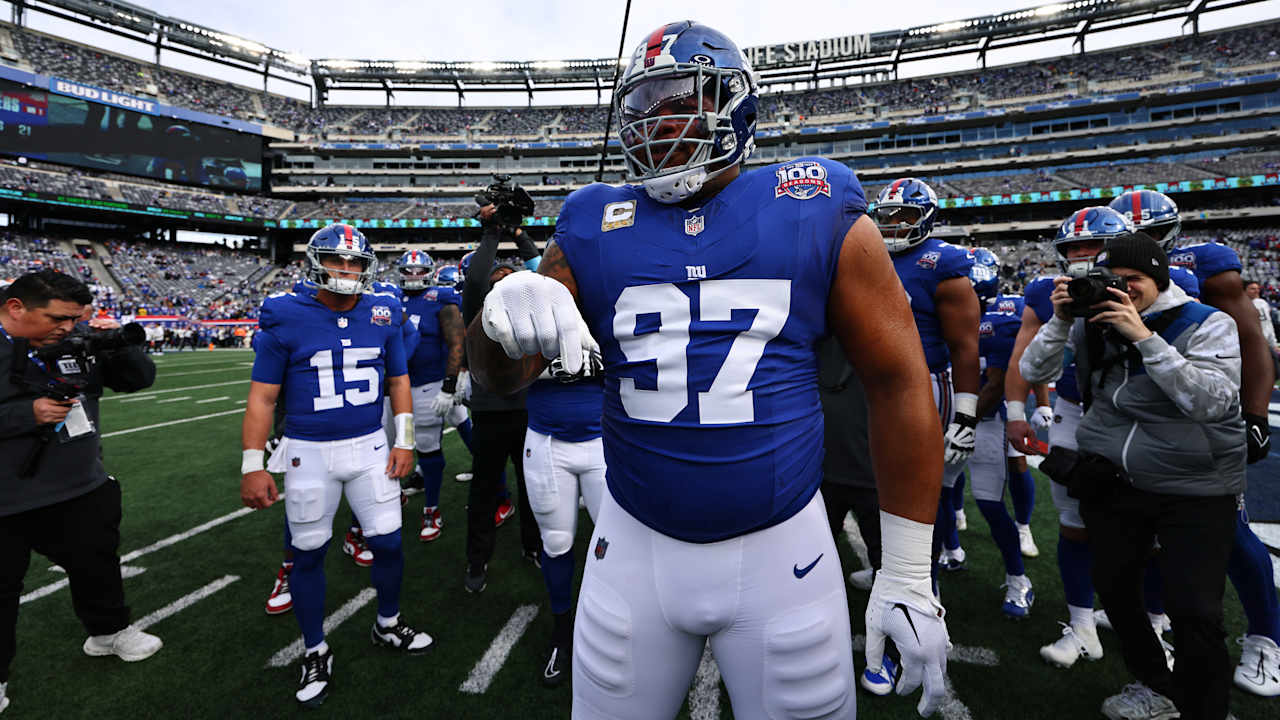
(1134, 424)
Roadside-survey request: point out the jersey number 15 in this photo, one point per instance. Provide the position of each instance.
(329, 398)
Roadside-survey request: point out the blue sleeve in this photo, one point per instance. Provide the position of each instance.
(1215, 258)
(1037, 298)
(409, 335)
(998, 350)
(955, 262)
(397, 358)
(854, 202)
(271, 358)
(449, 296)
(1186, 280)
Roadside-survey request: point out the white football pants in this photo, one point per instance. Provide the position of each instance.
(428, 427)
(943, 398)
(317, 474)
(556, 472)
(1062, 433)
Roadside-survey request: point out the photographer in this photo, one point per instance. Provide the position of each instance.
(1160, 456)
(55, 495)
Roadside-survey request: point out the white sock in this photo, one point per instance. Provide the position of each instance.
(429, 510)
(1021, 526)
(1011, 579)
(389, 622)
(1081, 617)
(321, 649)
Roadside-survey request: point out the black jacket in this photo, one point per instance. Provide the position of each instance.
(845, 419)
(65, 470)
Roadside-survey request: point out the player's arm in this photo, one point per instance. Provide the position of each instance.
(487, 360)
(454, 334)
(1016, 388)
(992, 392)
(400, 459)
(959, 313)
(257, 487)
(1257, 372)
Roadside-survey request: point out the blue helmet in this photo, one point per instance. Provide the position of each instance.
(414, 268)
(1095, 223)
(985, 274)
(688, 87)
(1154, 213)
(448, 276)
(343, 241)
(905, 211)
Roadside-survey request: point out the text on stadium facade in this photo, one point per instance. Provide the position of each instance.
(838, 48)
(106, 97)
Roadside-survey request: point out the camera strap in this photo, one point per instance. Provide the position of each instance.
(1102, 360)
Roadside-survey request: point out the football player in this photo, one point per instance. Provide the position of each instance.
(1079, 239)
(1216, 268)
(946, 310)
(330, 354)
(707, 288)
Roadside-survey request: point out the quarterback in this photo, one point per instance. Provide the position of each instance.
(707, 289)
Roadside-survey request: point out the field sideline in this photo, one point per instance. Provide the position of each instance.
(199, 567)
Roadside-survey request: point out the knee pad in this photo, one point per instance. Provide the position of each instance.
(808, 663)
(556, 542)
(304, 511)
(602, 637)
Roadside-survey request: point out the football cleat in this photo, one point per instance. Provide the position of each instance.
(4, 696)
(1139, 702)
(862, 579)
(1017, 597)
(504, 511)
(1259, 668)
(462, 477)
(1026, 543)
(559, 665)
(882, 681)
(962, 523)
(1101, 620)
(280, 600)
(355, 546)
(1076, 642)
(951, 560)
(313, 685)
(431, 525)
(130, 645)
(401, 637)
(477, 579)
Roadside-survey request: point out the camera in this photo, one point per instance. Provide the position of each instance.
(70, 360)
(513, 202)
(1091, 289)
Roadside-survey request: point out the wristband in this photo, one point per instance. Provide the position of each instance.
(966, 404)
(404, 431)
(1015, 410)
(905, 547)
(450, 384)
(251, 461)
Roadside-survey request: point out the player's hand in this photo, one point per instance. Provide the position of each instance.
(528, 314)
(1061, 299)
(958, 443)
(258, 489)
(1042, 419)
(443, 402)
(1020, 433)
(908, 613)
(1258, 433)
(48, 410)
(399, 463)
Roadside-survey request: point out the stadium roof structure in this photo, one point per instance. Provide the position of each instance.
(797, 64)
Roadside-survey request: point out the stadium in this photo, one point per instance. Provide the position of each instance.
(184, 200)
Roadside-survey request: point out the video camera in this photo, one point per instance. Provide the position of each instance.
(69, 361)
(512, 201)
(1091, 289)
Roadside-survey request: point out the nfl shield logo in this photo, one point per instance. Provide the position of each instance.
(342, 322)
(297, 462)
(602, 546)
(694, 225)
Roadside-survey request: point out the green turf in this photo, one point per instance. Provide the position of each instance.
(179, 476)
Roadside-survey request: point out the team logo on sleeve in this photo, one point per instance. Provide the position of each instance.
(1183, 259)
(802, 180)
(432, 294)
(986, 329)
(381, 315)
(929, 260)
(618, 215)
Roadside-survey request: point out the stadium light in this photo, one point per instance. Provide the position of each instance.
(550, 65)
(1047, 10)
(485, 66)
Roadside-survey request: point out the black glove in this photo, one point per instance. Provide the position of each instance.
(1258, 433)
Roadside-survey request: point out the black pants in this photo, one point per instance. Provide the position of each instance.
(1195, 535)
(83, 536)
(496, 436)
(865, 504)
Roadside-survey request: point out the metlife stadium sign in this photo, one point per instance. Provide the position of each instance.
(99, 95)
(847, 47)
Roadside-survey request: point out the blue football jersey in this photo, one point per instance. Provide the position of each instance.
(1185, 279)
(1205, 260)
(920, 269)
(427, 362)
(566, 411)
(997, 332)
(1036, 295)
(330, 365)
(708, 321)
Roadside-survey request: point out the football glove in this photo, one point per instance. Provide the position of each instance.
(1042, 418)
(443, 402)
(1258, 433)
(592, 366)
(463, 393)
(529, 314)
(958, 442)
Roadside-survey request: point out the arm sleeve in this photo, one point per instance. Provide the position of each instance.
(853, 205)
(1042, 360)
(270, 360)
(955, 262)
(1204, 383)
(127, 370)
(397, 363)
(409, 335)
(476, 284)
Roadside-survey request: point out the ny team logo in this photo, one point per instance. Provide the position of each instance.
(381, 315)
(802, 180)
(929, 260)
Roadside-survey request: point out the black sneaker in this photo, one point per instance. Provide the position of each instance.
(401, 637)
(313, 686)
(558, 666)
(477, 579)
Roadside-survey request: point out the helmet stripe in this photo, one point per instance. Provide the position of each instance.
(654, 43)
(1081, 216)
(1137, 208)
(896, 184)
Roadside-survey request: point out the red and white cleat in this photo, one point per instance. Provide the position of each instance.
(280, 601)
(354, 545)
(505, 510)
(432, 523)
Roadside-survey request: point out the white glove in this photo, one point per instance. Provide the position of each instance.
(463, 393)
(958, 442)
(902, 608)
(1042, 418)
(443, 402)
(527, 313)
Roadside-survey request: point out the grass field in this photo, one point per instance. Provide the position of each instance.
(182, 475)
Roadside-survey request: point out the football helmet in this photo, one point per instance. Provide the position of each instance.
(342, 241)
(1095, 223)
(448, 276)
(985, 274)
(905, 210)
(1154, 213)
(687, 106)
(414, 268)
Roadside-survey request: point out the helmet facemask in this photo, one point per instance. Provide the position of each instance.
(414, 277)
(339, 281)
(903, 225)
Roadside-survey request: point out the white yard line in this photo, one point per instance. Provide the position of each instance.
(492, 660)
(291, 652)
(53, 587)
(229, 368)
(704, 699)
(136, 398)
(184, 602)
(209, 400)
(173, 399)
(179, 537)
(114, 433)
(124, 397)
(952, 708)
(985, 657)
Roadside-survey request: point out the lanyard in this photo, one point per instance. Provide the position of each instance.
(30, 354)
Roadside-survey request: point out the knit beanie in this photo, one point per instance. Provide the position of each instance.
(1137, 251)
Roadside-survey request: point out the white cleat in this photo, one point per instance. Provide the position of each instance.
(1139, 702)
(1259, 668)
(1026, 543)
(1018, 597)
(1101, 620)
(4, 696)
(462, 477)
(962, 523)
(862, 579)
(130, 645)
(1076, 642)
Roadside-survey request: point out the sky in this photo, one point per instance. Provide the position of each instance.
(565, 29)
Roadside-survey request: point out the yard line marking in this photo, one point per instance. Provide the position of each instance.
(114, 433)
(448, 430)
(241, 402)
(951, 707)
(209, 400)
(53, 587)
(229, 368)
(174, 399)
(136, 398)
(185, 602)
(179, 537)
(491, 662)
(704, 699)
(127, 397)
(985, 657)
(291, 652)
(854, 534)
